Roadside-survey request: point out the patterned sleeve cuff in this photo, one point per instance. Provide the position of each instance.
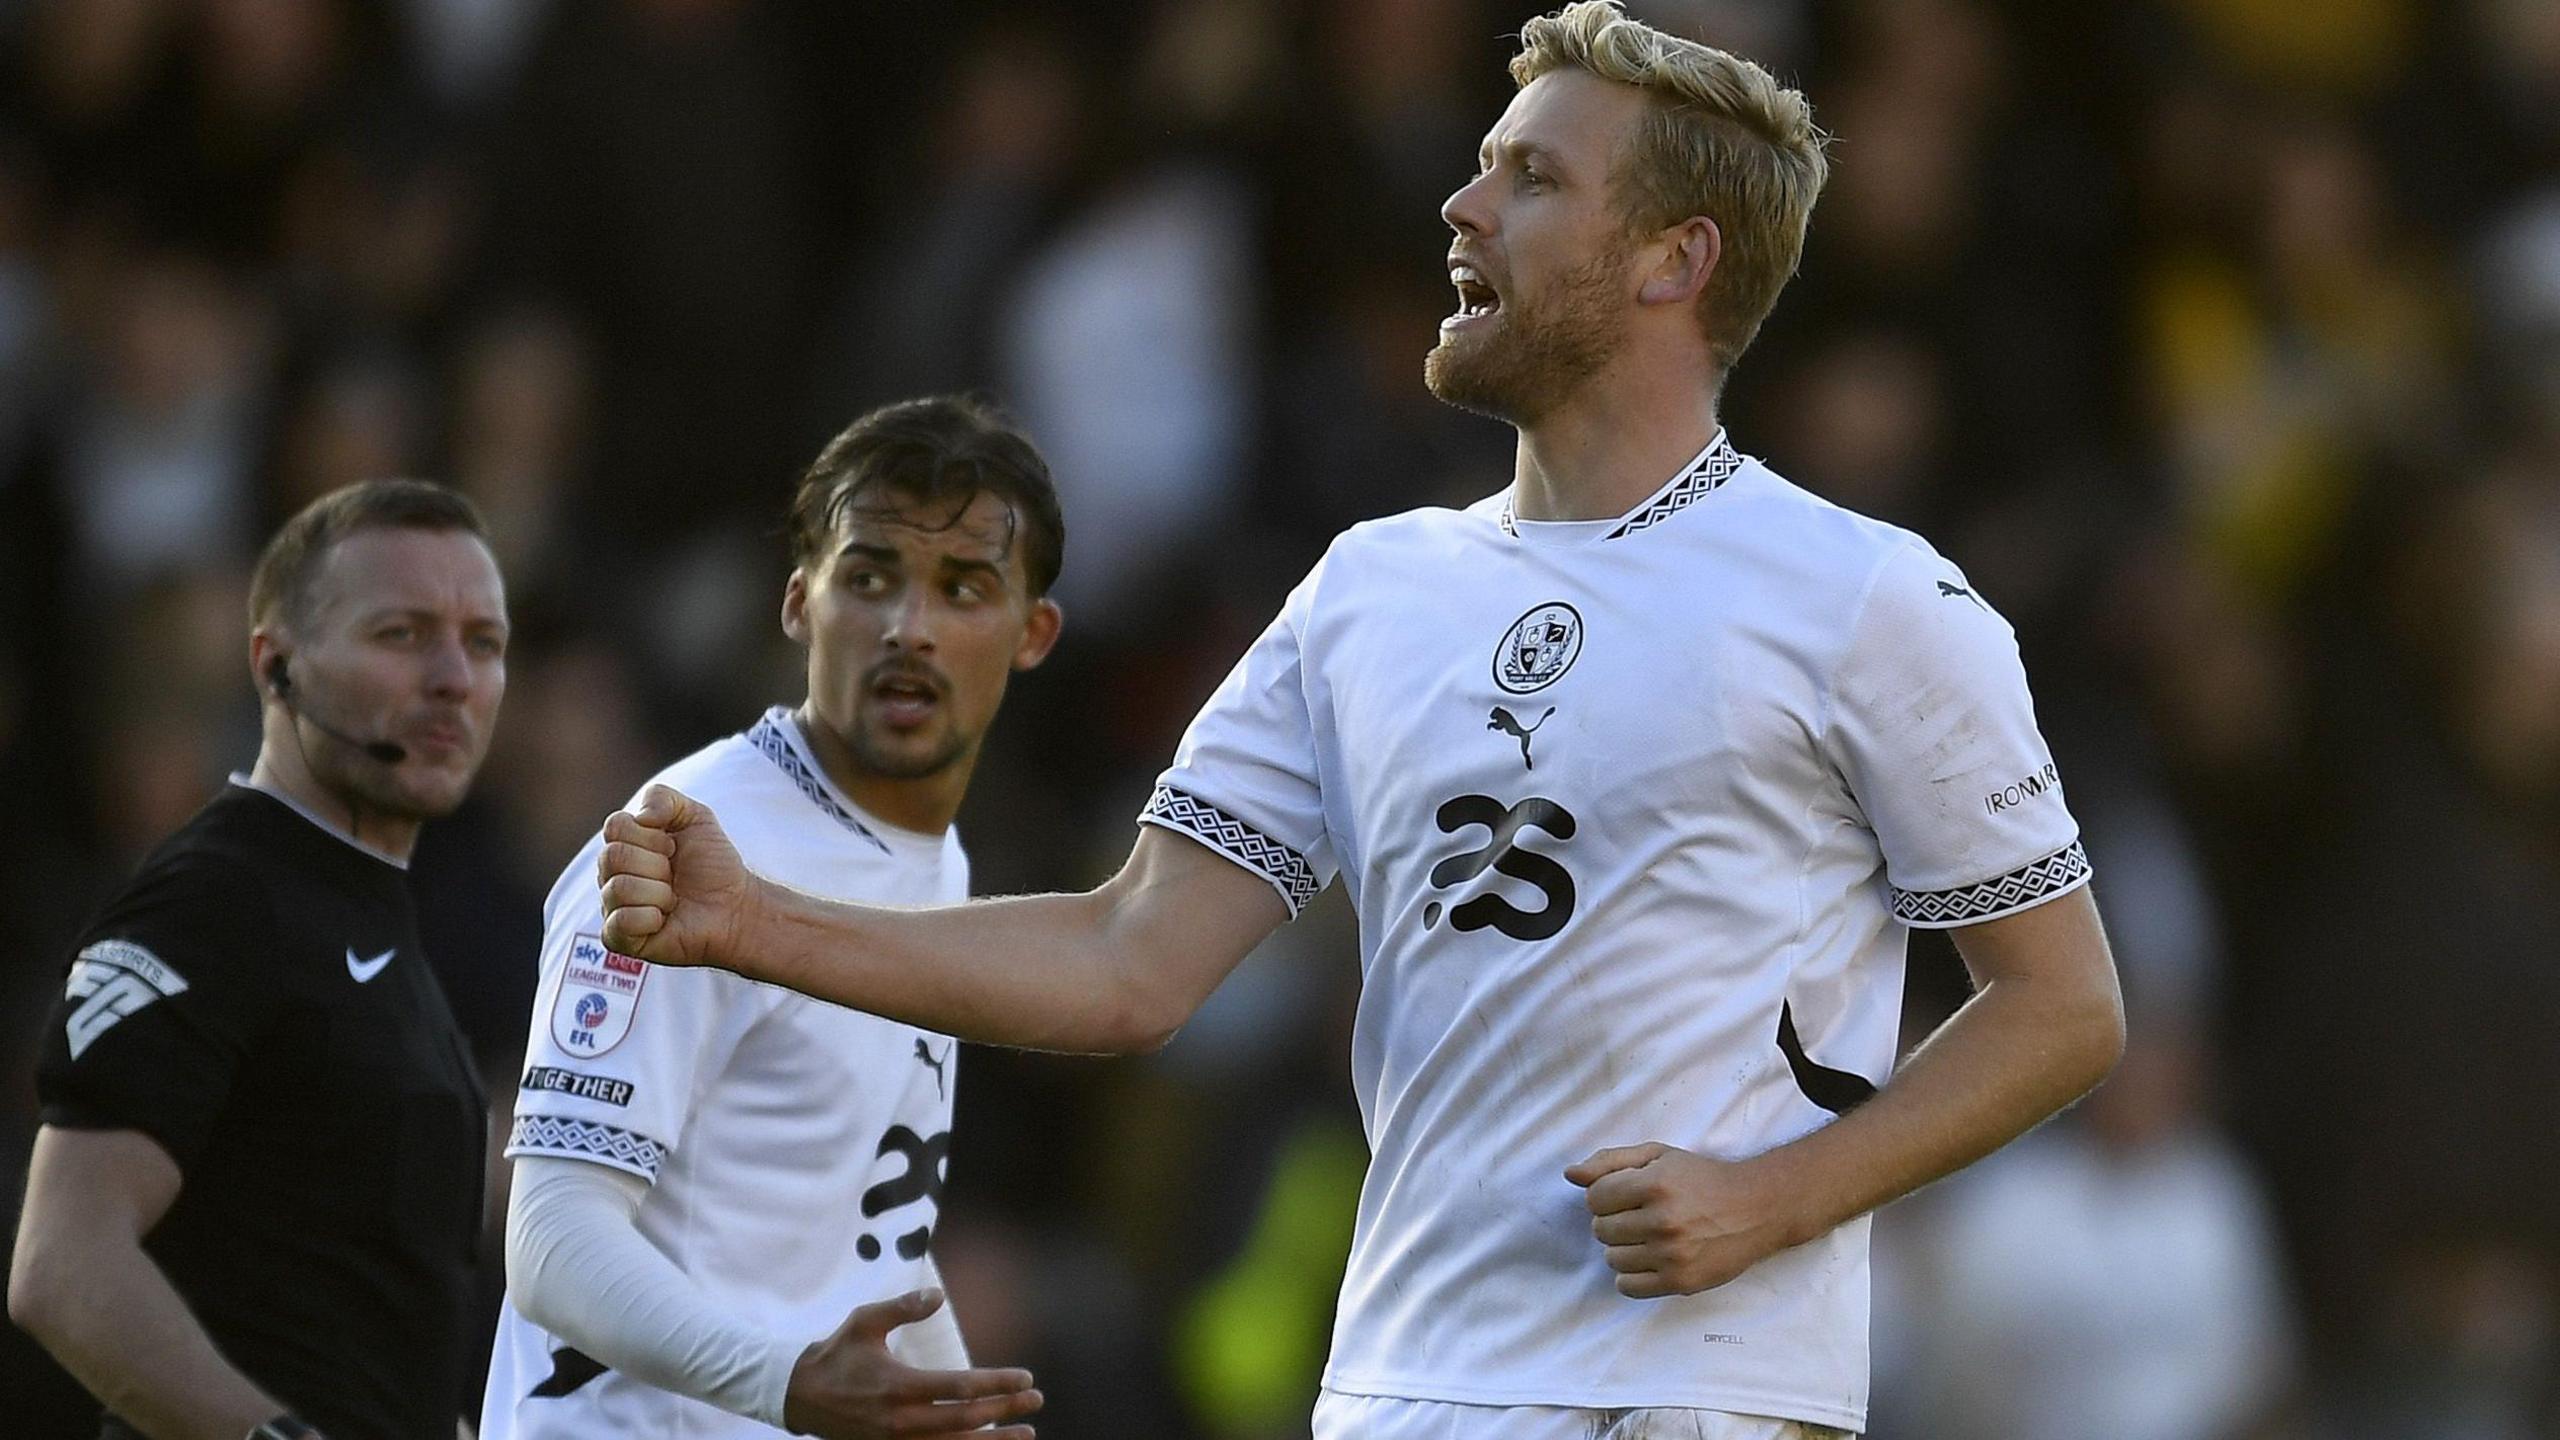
(2024, 888)
(1287, 871)
(587, 1140)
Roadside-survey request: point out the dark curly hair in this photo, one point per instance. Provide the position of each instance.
(942, 449)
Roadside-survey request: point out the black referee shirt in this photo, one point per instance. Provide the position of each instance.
(257, 1001)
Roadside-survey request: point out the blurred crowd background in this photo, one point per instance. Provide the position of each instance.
(2219, 340)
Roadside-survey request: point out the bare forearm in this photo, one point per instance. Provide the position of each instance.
(2013, 1056)
(111, 1318)
(1047, 972)
(1117, 969)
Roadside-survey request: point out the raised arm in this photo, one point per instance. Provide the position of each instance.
(82, 1286)
(1111, 970)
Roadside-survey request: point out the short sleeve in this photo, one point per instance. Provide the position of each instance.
(1244, 781)
(616, 1044)
(159, 1008)
(1932, 727)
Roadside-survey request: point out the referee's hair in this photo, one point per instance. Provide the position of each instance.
(944, 449)
(281, 584)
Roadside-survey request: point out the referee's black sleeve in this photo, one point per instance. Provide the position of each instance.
(162, 999)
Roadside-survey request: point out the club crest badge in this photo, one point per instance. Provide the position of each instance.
(1539, 648)
(599, 990)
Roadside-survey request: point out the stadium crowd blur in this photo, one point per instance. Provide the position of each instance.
(2219, 340)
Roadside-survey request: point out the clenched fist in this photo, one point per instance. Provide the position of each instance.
(675, 892)
(1676, 1223)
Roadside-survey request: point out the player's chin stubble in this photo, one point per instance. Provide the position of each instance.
(881, 756)
(1532, 359)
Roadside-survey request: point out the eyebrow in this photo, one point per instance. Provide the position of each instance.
(887, 555)
(1521, 150)
(381, 613)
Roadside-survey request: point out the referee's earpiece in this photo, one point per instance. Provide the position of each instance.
(280, 685)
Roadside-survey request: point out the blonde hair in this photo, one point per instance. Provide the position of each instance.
(1723, 139)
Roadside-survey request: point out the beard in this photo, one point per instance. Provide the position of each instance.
(884, 757)
(1534, 356)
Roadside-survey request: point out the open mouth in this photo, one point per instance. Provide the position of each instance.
(906, 698)
(1477, 298)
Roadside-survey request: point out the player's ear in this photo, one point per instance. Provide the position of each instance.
(1039, 633)
(1689, 253)
(795, 606)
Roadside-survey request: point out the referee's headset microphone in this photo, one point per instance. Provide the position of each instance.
(282, 684)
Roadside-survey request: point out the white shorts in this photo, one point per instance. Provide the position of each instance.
(1381, 1417)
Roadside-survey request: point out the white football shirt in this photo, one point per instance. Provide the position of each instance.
(1635, 813)
(796, 1150)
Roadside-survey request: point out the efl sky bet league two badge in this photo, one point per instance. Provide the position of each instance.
(1538, 648)
(598, 992)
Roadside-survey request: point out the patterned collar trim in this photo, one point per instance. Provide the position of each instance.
(773, 736)
(1715, 465)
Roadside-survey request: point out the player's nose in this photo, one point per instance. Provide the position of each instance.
(1467, 210)
(910, 621)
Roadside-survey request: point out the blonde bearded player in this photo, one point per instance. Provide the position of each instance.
(1633, 959)
(710, 1174)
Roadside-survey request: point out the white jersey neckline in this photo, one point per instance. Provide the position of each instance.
(1703, 474)
(779, 737)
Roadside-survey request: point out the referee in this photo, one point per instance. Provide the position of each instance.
(253, 1203)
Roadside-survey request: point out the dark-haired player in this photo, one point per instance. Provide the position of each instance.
(252, 1206)
(710, 1174)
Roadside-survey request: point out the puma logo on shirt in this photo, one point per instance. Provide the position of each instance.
(1509, 724)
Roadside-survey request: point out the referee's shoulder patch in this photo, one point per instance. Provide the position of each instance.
(599, 991)
(110, 980)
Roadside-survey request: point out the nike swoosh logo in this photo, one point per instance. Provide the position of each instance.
(364, 970)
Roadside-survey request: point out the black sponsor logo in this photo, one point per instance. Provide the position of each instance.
(1948, 591)
(927, 1159)
(2022, 792)
(1503, 853)
(571, 1082)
